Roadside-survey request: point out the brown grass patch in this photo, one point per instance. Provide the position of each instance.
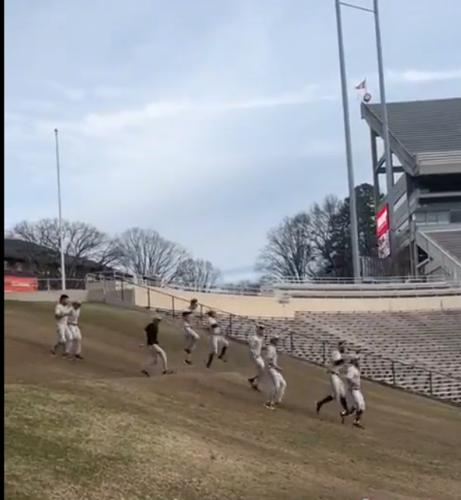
(97, 430)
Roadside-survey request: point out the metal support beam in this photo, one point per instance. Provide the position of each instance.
(348, 142)
(374, 162)
(405, 158)
(396, 170)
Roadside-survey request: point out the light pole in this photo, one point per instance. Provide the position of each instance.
(348, 141)
(382, 92)
(385, 119)
(61, 230)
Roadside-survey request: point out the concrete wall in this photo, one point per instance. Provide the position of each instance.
(270, 307)
(264, 307)
(127, 297)
(45, 296)
(109, 292)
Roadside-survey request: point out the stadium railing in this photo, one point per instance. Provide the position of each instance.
(322, 288)
(306, 290)
(54, 284)
(375, 367)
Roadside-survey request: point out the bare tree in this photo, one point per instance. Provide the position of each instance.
(324, 222)
(331, 227)
(198, 274)
(85, 247)
(145, 253)
(289, 252)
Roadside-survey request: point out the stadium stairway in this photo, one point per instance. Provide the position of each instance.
(443, 247)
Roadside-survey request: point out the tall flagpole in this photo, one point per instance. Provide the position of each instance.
(61, 229)
(348, 141)
(385, 121)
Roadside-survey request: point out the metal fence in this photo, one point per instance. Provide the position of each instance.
(375, 367)
(320, 288)
(55, 284)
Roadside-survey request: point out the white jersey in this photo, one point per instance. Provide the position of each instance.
(60, 313)
(334, 358)
(213, 326)
(187, 318)
(256, 346)
(353, 378)
(271, 356)
(73, 317)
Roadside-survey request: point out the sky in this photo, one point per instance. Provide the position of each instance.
(208, 121)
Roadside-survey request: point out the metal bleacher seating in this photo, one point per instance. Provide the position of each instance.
(417, 351)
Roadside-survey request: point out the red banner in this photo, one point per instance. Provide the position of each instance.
(20, 284)
(382, 221)
(382, 232)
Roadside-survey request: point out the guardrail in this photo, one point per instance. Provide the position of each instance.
(375, 367)
(285, 292)
(317, 288)
(54, 284)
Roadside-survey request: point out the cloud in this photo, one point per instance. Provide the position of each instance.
(100, 125)
(105, 92)
(206, 120)
(416, 77)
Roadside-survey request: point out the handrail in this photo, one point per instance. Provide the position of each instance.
(447, 254)
(262, 321)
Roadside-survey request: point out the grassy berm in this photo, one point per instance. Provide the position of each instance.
(98, 430)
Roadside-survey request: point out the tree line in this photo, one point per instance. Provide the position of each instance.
(140, 252)
(317, 243)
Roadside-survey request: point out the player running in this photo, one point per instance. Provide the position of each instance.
(278, 384)
(219, 343)
(255, 343)
(154, 350)
(338, 391)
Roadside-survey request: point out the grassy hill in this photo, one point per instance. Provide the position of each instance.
(98, 430)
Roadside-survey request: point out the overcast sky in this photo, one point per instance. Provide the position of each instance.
(207, 120)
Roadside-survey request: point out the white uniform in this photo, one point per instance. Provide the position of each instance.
(256, 346)
(277, 382)
(72, 322)
(74, 330)
(62, 331)
(218, 341)
(190, 334)
(337, 386)
(354, 392)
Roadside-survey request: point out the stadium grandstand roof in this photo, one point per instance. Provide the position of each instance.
(16, 249)
(426, 130)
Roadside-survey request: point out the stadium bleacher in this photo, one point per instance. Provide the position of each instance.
(411, 342)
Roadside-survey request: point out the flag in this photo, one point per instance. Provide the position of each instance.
(362, 85)
(363, 91)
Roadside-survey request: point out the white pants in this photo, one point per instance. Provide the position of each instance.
(63, 334)
(259, 363)
(337, 386)
(64, 337)
(277, 386)
(191, 336)
(217, 343)
(76, 339)
(355, 400)
(155, 352)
